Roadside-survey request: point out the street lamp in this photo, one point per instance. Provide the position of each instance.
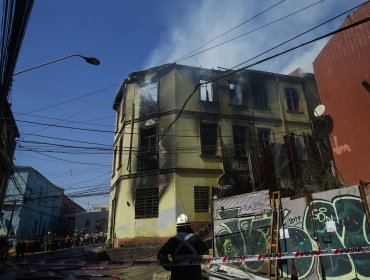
(88, 59)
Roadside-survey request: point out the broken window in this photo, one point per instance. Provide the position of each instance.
(149, 96)
(146, 203)
(292, 99)
(259, 93)
(147, 156)
(206, 91)
(241, 140)
(208, 138)
(201, 199)
(264, 137)
(236, 94)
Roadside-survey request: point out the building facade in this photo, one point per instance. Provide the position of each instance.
(68, 222)
(342, 71)
(32, 204)
(185, 134)
(92, 222)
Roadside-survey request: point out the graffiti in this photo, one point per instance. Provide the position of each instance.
(307, 229)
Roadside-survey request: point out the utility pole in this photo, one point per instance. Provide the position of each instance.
(11, 219)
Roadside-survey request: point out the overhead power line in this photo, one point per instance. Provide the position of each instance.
(69, 127)
(63, 120)
(228, 31)
(229, 73)
(251, 31)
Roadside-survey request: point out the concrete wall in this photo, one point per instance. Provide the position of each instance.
(306, 231)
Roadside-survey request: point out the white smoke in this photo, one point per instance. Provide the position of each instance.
(202, 21)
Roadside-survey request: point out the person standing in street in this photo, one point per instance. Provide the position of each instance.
(185, 245)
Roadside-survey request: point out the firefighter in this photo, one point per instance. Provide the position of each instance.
(184, 245)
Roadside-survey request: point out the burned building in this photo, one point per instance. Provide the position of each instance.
(185, 134)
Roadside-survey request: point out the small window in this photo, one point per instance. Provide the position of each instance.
(114, 159)
(120, 152)
(201, 199)
(146, 204)
(206, 91)
(117, 118)
(264, 137)
(123, 104)
(236, 94)
(208, 138)
(241, 140)
(292, 99)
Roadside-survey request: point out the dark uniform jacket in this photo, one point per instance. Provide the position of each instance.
(183, 246)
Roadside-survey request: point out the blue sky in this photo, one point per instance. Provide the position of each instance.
(129, 36)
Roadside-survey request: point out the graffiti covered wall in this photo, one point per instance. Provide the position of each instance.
(336, 219)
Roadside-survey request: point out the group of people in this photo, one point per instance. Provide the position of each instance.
(81, 238)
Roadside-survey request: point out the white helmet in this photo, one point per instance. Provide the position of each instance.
(182, 220)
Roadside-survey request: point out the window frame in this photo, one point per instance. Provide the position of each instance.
(152, 86)
(120, 152)
(205, 134)
(237, 84)
(259, 92)
(292, 100)
(208, 86)
(148, 150)
(201, 199)
(241, 145)
(265, 140)
(147, 203)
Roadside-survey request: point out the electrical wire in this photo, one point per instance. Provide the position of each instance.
(251, 31)
(229, 73)
(229, 30)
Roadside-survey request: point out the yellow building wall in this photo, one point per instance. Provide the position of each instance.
(181, 147)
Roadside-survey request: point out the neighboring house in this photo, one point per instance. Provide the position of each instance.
(32, 204)
(237, 134)
(342, 71)
(8, 133)
(95, 221)
(68, 222)
(15, 15)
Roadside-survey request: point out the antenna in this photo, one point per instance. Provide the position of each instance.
(319, 110)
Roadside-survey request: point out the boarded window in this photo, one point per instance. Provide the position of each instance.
(147, 155)
(208, 138)
(201, 199)
(292, 99)
(241, 140)
(146, 204)
(206, 91)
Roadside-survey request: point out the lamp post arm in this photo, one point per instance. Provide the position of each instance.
(90, 60)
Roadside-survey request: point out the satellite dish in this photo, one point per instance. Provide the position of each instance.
(319, 110)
